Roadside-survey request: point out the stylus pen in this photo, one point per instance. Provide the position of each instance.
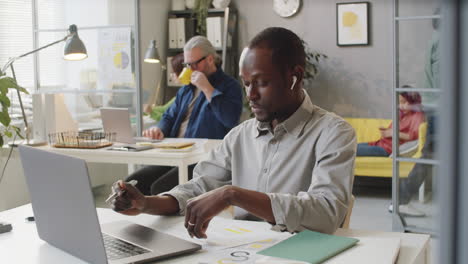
(115, 194)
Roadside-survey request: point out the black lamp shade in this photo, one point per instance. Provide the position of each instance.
(152, 55)
(74, 47)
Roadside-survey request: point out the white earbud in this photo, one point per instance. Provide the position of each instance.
(294, 82)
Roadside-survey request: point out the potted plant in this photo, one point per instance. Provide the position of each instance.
(7, 129)
(312, 60)
(201, 12)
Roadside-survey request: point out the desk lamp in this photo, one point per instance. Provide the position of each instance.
(152, 56)
(74, 50)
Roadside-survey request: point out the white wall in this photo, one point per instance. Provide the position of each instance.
(153, 25)
(13, 190)
(353, 81)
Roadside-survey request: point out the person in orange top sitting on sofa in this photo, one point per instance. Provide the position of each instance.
(411, 116)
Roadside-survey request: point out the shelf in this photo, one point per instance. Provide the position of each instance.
(177, 50)
(180, 50)
(215, 11)
(420, 90)
(418, 160)
(225, 30)
(417, 17)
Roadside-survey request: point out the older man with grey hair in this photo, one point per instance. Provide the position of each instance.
(208, 107)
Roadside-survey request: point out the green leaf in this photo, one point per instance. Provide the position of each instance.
(7, 82)
(5, 118)
(17, 131)
(19, 135)
(21, 89)
(5, 101)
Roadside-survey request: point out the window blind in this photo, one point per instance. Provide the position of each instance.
(16, 38)
(51, 16)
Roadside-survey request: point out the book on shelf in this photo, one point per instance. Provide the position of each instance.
(180, 31)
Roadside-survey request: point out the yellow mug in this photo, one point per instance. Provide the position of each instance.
(185, 76)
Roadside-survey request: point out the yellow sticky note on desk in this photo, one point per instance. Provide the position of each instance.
(174, 145)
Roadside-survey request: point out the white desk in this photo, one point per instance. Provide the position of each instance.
(22, 245)
(146, 157)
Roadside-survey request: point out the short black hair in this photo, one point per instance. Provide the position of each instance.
(287, 48)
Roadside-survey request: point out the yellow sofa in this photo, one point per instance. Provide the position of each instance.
(366, 131)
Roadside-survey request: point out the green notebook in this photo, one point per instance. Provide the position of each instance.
(310, 246)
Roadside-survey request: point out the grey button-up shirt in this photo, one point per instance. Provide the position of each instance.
(305, 165)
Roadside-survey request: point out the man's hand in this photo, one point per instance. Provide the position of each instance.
(154, 133)
(203, 208)
(200, 81)
(130, 201)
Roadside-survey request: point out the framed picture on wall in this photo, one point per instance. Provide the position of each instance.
(352, 24)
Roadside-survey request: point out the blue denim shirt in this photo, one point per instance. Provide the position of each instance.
(208, 119)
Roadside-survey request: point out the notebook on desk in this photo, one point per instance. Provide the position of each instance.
(117, 120)
(66, 217)
(309, 246)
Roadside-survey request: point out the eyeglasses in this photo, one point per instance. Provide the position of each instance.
(193, 64)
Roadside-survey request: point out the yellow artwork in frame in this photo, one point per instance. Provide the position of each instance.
(352, 23)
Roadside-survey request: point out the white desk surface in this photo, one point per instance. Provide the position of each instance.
(22, 245)
(146, 157)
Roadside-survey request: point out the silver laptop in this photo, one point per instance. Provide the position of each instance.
(66, 217)
(117, 120)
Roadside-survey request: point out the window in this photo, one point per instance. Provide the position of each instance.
(16, 38)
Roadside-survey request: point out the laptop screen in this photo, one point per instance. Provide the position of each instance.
(117, 120)
(63, 203)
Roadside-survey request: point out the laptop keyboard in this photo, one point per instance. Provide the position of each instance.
(117, 249)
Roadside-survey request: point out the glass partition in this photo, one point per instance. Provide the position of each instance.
(417, 8)
(417, 43)
(416, 111)
(416, 193)
(107, 77)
